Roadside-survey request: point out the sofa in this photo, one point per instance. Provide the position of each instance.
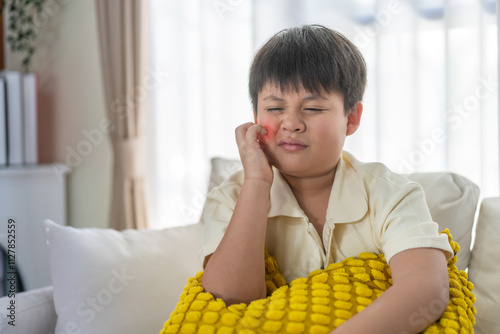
(105, 281)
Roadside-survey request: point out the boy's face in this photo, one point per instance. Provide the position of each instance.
(306, 131)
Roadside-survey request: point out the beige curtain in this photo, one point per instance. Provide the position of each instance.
(123, 34)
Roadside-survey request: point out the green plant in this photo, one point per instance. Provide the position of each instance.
(21, 26)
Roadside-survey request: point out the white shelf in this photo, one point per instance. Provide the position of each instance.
(57, 169)
(29, 195)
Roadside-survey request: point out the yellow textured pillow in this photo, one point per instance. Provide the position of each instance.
(316, 304)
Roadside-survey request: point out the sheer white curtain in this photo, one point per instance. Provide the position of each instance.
(430, 103)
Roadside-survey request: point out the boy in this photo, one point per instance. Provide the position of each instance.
(313, 204)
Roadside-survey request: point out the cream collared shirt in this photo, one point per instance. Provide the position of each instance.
(370, 209)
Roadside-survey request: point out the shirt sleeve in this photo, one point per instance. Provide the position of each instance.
(408, 223)
(217, 213)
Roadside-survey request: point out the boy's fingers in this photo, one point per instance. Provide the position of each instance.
(249, 131)
(254, 131)
(263, 130)
(240, 132)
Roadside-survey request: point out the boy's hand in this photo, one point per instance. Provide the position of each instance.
(253, 158)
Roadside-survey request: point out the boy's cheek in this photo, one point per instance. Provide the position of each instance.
(271, 133)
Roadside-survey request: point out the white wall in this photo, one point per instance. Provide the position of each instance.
(71, 104)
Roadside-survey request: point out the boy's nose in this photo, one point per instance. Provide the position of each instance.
(293, 123)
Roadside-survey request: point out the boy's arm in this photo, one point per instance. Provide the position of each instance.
(235, 272)
(417, 298)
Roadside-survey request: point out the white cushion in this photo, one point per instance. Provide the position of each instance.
(451, 198)
(484, 268)
(107, 281)
(32, 312)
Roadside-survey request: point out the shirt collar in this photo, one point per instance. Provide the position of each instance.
(348, 198)
(282, 199)
(347, 202)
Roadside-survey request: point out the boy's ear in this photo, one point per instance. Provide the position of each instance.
(354, 118)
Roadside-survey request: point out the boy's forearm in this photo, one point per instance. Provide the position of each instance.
(236, 270)
(418, 297)
(408, 308)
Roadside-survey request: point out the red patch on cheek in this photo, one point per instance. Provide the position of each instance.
(271, 132)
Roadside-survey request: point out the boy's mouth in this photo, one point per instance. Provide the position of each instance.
(291, 145)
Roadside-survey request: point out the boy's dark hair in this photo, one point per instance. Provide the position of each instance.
(313, 57)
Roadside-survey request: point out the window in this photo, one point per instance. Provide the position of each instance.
(431, 102)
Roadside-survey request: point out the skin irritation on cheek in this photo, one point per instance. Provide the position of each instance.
(271, 130)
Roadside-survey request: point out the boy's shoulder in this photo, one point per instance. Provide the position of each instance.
(375, 173)
(371, 185)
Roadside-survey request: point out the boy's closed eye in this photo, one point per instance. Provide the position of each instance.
(275, 109)
(315, 110)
